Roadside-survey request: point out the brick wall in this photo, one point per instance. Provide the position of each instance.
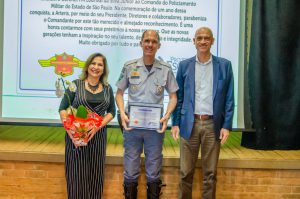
(34, 180)
(31, 180)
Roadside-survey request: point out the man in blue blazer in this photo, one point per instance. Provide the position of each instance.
(204, 112)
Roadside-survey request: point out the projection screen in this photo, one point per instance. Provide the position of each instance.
(38, 34)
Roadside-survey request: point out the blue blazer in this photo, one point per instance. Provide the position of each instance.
(223, 96)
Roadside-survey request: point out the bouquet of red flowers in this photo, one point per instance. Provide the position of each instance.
(80, 122)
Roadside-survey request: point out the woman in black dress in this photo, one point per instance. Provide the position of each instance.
(84, 166)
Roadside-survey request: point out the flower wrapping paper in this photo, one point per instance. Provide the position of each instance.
(80, 128)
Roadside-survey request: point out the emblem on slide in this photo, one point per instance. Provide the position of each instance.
(64, 64)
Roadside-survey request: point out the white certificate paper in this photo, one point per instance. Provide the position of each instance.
(145, 116)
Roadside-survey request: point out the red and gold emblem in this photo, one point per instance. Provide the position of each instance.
(64, 64)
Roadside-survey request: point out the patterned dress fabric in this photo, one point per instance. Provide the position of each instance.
(84, 166)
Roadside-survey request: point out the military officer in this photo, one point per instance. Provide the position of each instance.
(147, 79)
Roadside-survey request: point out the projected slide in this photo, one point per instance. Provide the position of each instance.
(44, 39)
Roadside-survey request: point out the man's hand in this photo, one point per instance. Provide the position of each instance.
(164, 120)
(125, 121)
(120, 104)
(224, 134)
(175, 132)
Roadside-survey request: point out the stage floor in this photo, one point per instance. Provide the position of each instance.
(46, 144)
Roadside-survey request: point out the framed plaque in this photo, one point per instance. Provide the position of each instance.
(145, 116)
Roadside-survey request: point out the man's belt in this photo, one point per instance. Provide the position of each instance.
(203, 117)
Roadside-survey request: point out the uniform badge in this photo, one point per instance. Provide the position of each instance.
(122, 74)
(135, 75)
(135, 87)
(159, 87)
(159, 90)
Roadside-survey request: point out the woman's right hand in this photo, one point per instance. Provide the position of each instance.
(72, 138)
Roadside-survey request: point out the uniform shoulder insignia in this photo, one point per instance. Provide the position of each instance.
(163, 63)
(128, 63)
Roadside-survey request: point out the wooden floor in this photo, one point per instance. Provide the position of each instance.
(45, 143)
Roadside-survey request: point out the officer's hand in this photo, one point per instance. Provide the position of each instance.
(164, 120)
(125, 121)
(224, 134)
(175, 132)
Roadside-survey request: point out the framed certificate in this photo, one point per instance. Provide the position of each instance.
(145, 116)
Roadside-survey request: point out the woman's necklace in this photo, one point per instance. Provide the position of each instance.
(93, 88)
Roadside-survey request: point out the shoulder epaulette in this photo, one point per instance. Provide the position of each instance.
(163, 63)
(130, 62)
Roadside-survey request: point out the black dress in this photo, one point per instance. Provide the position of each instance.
(84, 166)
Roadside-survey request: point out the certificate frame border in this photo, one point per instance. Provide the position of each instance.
(146, 105)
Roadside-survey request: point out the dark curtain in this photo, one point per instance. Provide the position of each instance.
(274, 75)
